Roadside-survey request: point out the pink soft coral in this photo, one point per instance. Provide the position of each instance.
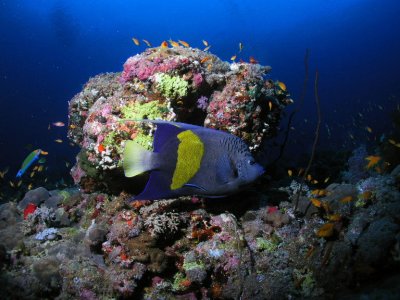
(143, 68)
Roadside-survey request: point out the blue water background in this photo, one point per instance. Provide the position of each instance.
(49, 49)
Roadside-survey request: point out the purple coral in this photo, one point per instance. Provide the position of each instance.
(202, 102)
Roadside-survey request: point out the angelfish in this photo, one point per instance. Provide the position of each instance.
(191, 160)
(29, 160)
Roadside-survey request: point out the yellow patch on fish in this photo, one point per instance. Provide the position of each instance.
(190, 153)
(346, 199)
(325, 230)
(270, 105)
(233, 57)
(290, 172)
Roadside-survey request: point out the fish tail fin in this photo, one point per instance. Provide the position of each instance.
(137, 159)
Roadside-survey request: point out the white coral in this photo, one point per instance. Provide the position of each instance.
(162, 223)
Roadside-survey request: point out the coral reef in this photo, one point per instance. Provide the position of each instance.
(181, 249)
(176, 84)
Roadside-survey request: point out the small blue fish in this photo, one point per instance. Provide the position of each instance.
(191, 160)
(29, 160)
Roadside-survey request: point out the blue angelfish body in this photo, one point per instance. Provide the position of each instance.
(191, 160)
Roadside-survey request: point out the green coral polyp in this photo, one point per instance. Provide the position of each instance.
(172, 87)
(149, 110)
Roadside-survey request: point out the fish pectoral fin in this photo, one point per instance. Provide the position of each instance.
(137, 159)
(195, 186)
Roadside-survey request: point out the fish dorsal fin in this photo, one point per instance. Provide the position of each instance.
(165, 131)
(190, 153)
(224, 170)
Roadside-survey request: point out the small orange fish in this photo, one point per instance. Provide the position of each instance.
(11, 184)
(346, 199)
(282, 86)
(147, 43)
(270, 105)
(314, 181)
(252, 60)
(322, 193)
(326, 179)
(164, 44)
(205, 43)
(32, 174)
(44, 152)
(58, 124)
(101, 148)
(136, 41)
(40, 168)
(184, 44)
(325, 230)
(369, 129)
(207, 58)
(334, 217)
(315, 192)
(290, 172)
(316, 202)
(207, 48)
(72, 126)
(309, 177)
(174, 44)
(30, 186)
(233, 57)
(58, 141)
(366, 195)
(372, 161)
